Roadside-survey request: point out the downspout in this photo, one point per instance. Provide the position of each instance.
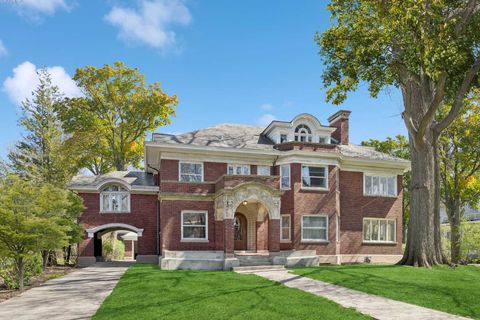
(157, 227)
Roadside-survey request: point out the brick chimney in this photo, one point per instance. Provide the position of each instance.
(339, 120)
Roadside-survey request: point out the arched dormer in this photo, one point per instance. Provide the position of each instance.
(114, 198)
(303, 128)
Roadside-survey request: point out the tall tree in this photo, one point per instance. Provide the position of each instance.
(459, 154)
(34, 219)
(397, 147)
(41, 155)
(429, 49)
(117, 111)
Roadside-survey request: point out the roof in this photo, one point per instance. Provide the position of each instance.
(228, 135)
(132, 178)
(239, 136)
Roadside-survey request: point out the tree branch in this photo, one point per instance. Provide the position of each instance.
(459, 97)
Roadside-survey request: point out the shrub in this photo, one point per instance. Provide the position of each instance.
(10, 276)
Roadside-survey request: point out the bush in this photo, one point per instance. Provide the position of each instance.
(113, 249)
(10, 276)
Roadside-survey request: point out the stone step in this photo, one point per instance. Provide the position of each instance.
(254, 260)
(253, 269)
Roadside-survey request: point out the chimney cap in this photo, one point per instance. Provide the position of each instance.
(340, 114)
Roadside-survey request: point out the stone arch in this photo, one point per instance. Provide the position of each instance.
(91, 232)
(265, 195)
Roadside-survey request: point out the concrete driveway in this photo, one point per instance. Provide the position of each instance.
(76, 295)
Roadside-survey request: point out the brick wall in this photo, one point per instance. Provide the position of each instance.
(143, 216)
(354, 207)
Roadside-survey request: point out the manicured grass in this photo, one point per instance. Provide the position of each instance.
(454, 291)
(146, 292)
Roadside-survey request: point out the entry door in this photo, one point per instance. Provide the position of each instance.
(240, 232)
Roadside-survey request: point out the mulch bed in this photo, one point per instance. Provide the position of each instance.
(50, 273)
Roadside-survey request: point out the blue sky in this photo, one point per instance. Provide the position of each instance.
(228, 61)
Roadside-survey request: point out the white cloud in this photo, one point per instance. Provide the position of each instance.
(3, 49)
(34, 10)
(265, 119)
(266, 106)
(151, 23)
(24, 80)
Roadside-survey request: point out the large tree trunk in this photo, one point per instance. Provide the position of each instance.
(423, 248)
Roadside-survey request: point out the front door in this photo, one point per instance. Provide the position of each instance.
(240, 232)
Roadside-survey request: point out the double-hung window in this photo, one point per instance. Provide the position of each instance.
(285, 176)
(285, 227)
(263, 170)
(380, 185)
(379, 230)
(191, 171)
(314, 177)
(314, 228)
(239, 169)
(115, 198)
(194, 225)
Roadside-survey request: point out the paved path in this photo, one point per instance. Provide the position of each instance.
(74, 296)
(378, 307)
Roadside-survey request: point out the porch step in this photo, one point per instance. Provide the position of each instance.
(253, 260)
(253, 269)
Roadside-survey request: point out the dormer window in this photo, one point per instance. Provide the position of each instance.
(283, 138)
(115, 199)
(303, 133)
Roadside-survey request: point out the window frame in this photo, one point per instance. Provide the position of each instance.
(326, 228)
(190, 162)
(182, 239)
(304, 131)
(110, 193)
(235, 165)
(289, 239)
(315, 188)
(380, 175)
(268, 168)
(280, 137)
(386, 230)
(289, 176)
(327, 139)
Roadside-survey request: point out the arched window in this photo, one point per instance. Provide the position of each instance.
(303, 133)
(114, 198)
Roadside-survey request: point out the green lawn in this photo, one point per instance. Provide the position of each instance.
(146, 292)
(455, 291)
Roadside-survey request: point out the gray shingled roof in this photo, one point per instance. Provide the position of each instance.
(133, 178)
(228, 135)
(240, 136)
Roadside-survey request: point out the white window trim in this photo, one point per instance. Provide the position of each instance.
(289, 176)
(315, 166)
(387, 175)
(239, 164)
(206, 226)
(190, 162)
(289, 228)
(327, 138)
(326, 228)
(115, 192)
(280, 134)
(386, 233)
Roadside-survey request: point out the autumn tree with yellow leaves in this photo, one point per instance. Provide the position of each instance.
(459, 156)
(111, 119)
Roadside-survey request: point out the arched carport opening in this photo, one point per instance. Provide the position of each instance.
(125, 233)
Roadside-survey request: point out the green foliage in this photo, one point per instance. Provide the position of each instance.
(146, 292)
(470, 244)
(10, 275)
(41, 155)
(385, 42)
(35, 218)
(452, 290)
(110, 122)
(112, 248)
(397, 147)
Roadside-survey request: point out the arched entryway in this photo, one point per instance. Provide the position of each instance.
(115, 234)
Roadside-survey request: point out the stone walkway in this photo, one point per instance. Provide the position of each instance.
(378, 307)
(74, 296)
